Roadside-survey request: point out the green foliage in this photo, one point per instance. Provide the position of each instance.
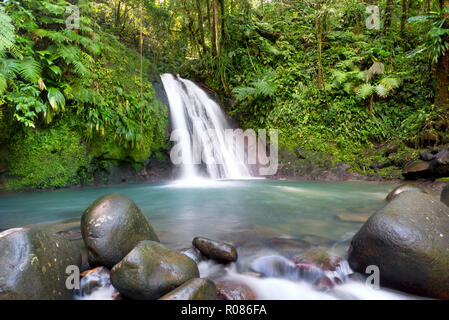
(48, 158)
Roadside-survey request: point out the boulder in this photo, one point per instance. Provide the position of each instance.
(417, 169)
(151, 270)
(194, 289)
(440, 163)
(233, 290)
(445, 195)
(111, 226)
(426, 156)
(408, 240)
(192, 253)
(402, 188)
(33, 265)
(214, 249)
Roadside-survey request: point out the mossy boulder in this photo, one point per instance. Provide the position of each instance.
(33, 265)
(214, 249)
(111, 227)
(408, 240)
(151, 270)
(403, 188)
(194, 289)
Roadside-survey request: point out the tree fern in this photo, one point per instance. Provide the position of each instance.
(364, 91)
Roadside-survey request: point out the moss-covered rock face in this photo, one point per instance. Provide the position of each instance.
(195, 289)
(151, 270)
(408, 240)
(33, 265)
(54, 157)
(111, 227)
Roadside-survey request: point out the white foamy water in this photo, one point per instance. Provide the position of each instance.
(201, 123)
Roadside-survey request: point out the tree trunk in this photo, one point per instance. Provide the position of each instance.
(216, 27)
(442, 71)
(222, 10)
(388, 15)
(404, 16)
(371, 103)
(200, 25)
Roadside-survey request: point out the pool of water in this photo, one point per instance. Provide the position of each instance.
(260, 217)
(214, 208)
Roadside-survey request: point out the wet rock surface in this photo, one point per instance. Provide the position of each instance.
(408, 240)
(233, 290)
(193, 253)
(111, 226)
(151, 270)
(33, 265)
(403, 188)
(444, 197)
(353, 217)
(194, 289)
(214, 249)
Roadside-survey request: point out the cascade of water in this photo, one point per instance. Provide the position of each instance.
(201, 124)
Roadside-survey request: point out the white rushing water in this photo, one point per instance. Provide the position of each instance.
(200, 125)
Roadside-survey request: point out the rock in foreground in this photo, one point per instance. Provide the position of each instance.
(214, 249)
(195, 289)
(403, 188)
(151, 270)
(33, 265)
(408, 240)
(111, 226)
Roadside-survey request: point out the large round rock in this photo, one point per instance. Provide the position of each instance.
(151, 270)
(33, 265)
(111, 226)
(408, 240)
(194, 289)
(403, 188)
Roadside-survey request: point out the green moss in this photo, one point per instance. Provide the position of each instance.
(54, 157)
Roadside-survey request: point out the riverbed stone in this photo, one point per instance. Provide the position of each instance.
(33, 265)
(194, 289)
(417, 169)
(408, 240)
(214, 249)
(111, 227)
(403, 188)
(151, 270)
(233, 290)
(193, 253)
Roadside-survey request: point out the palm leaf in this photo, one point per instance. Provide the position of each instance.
(364, 91)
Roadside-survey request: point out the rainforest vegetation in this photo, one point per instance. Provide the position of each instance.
(341, 78)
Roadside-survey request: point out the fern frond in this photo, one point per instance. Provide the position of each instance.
(364, 91)
(7, 34)
(242, 93)
(3, 83)
(390, 83)
(29, 69)
(381, 90)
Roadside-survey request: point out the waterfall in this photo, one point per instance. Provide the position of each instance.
(200, 124)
